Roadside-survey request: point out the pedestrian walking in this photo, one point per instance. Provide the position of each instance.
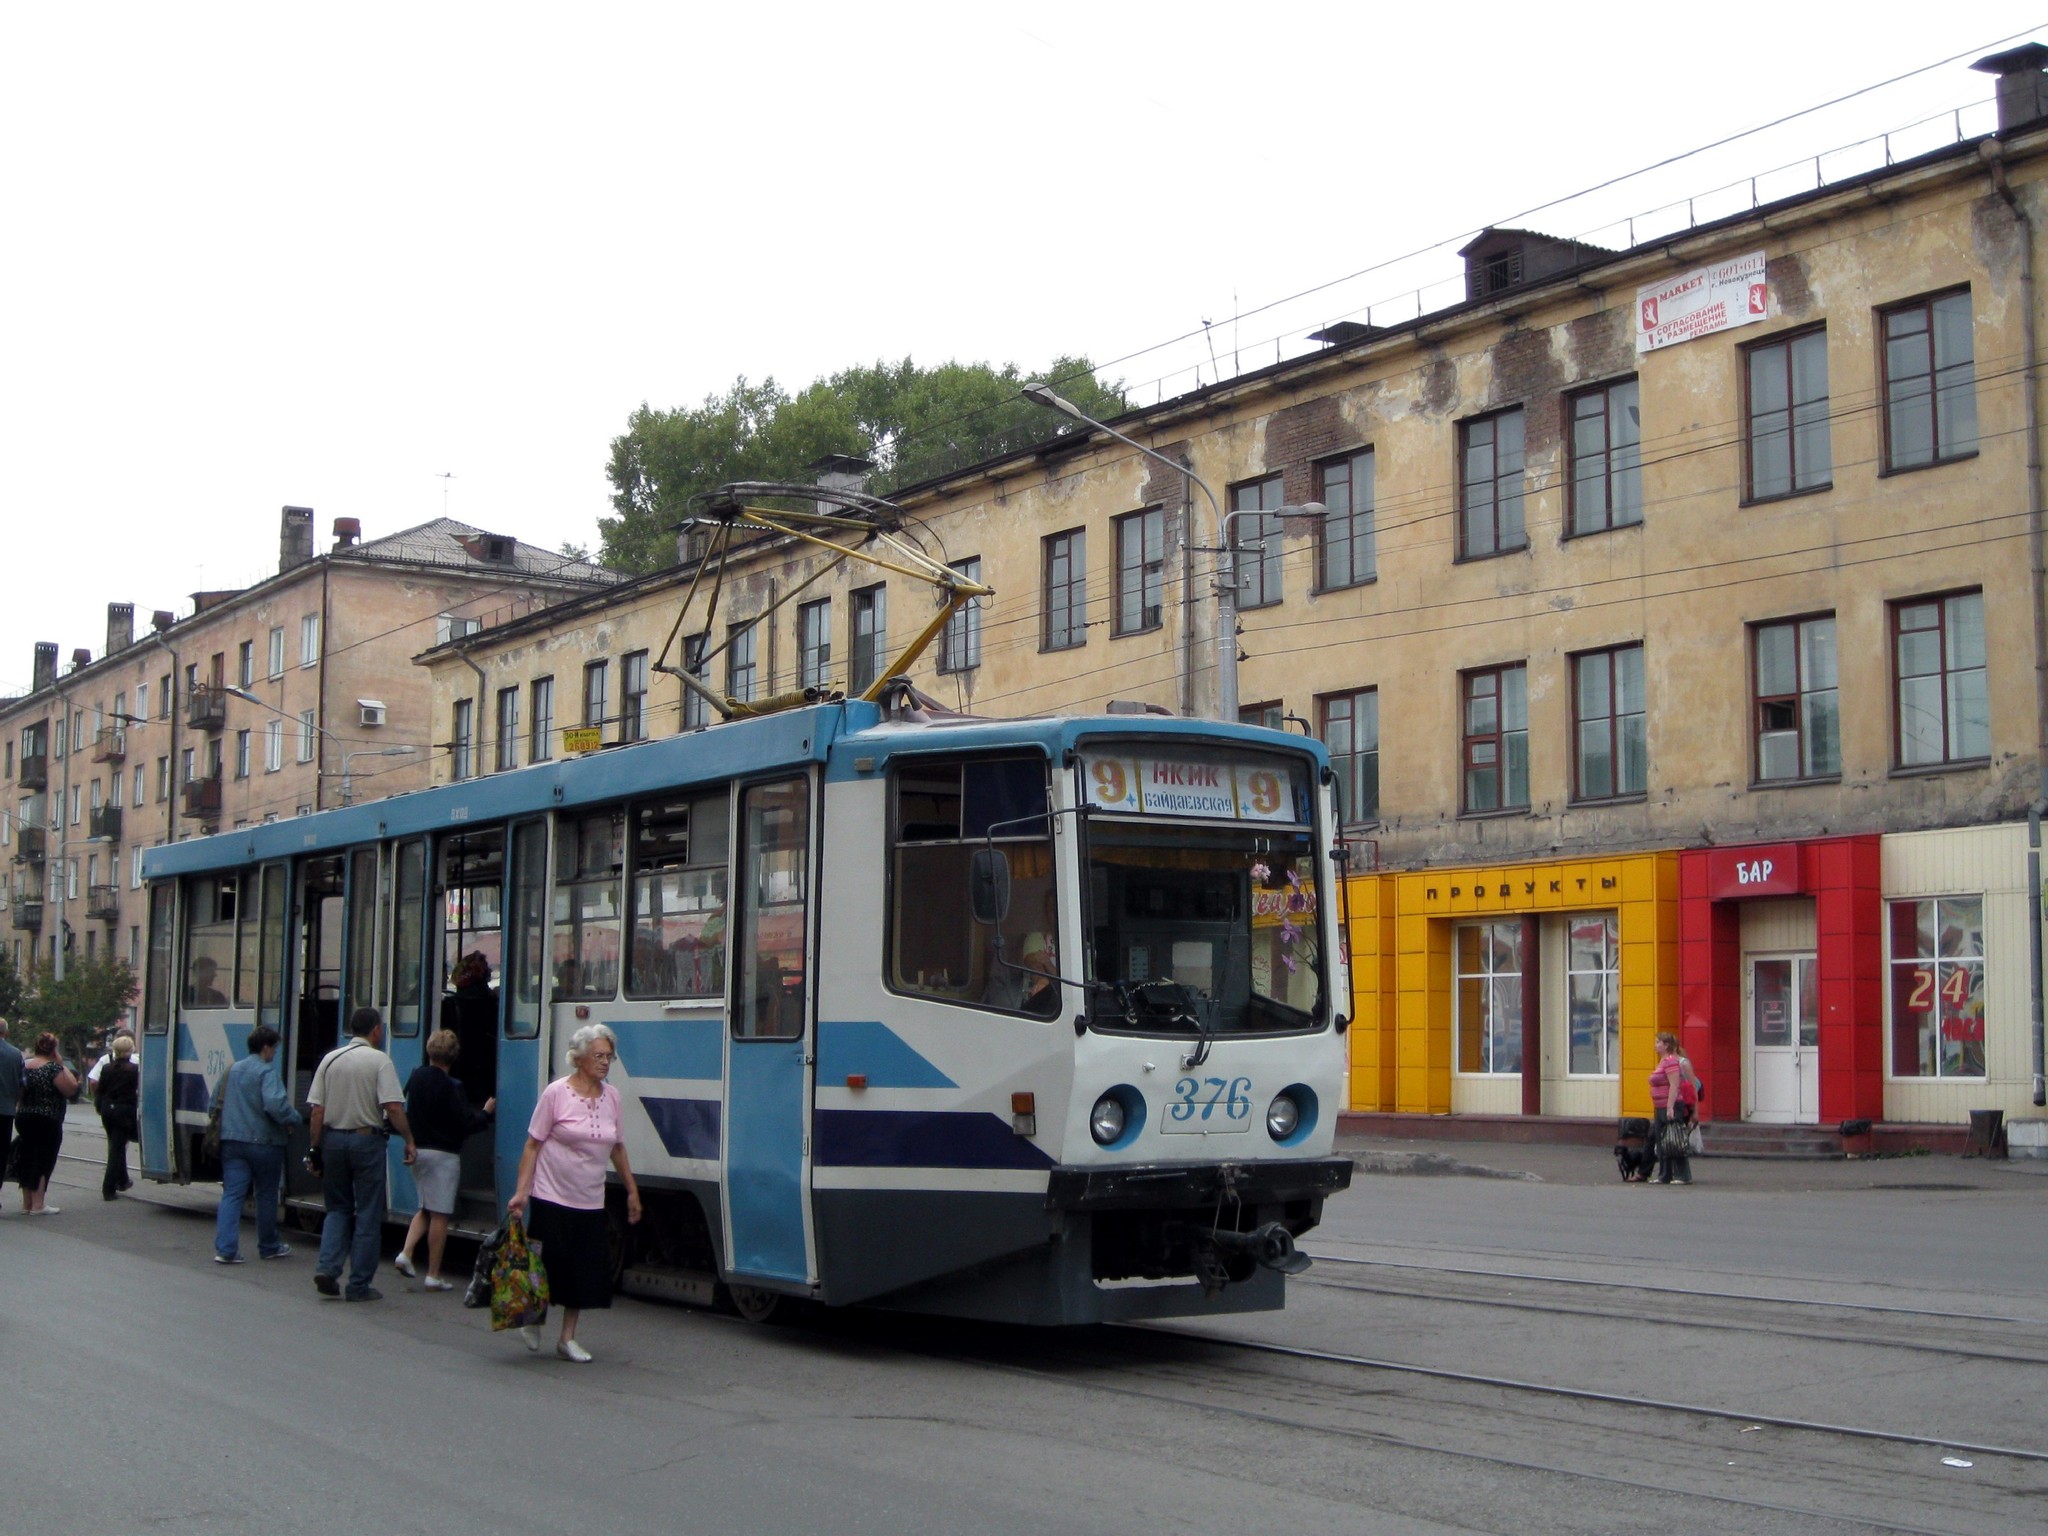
(442, 1120)
(254, 1114)
(574, 1134)
(47, 1088)
(117, 1095)
(10, 1091)
(354, 1094)
(1675, 1091)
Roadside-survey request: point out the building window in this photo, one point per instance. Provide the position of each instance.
(1937, 957)
(306, 729)
(1272, 716)
(245, 664)
(163, 773)
(1787, 439)
(696, 711)
(1798, 728)
(867, 638)
(1256, 540)
(1592, 970)
(540, 745)
(1066, 590)
(960, 641)
(633, 696)
(1344, 539)
(138, 784)
(135, 868)
(460, 766)
(276, 656)
(163, 695)
(1496, 738)
(1944, 711)
(739, 663)
(141, 708)
(273, 747)
(508, 728)
(596, 683)
(814, 644)
(1607, 458)
(1351, 730)
(1140, 570)
(1490, 485)
(241, 754)
(1611, 751)
(1930, 382)
(1489, 997)
(309, 639)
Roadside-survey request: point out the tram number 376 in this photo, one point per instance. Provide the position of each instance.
(1199, 1098)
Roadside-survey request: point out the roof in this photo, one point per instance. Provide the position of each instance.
(458, 546)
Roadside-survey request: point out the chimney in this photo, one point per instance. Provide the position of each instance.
(46, 666)
(295, 538)
(840, 472)
(347, 531)
(120, 626)
(81, 659)
(162, 620)
(2022, 87)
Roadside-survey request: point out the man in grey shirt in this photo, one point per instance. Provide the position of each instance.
(355, 1092)
(10, 1089)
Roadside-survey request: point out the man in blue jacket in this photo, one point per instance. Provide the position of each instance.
(253, 1118)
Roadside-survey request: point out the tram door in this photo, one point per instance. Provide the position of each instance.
(315, 1010)
(768, 1058)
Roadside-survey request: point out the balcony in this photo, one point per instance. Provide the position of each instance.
(103, 902)
(28, 915)
(28, 845)
(103, 824)
(206, 709)
(202, 799)
(110, 744)
(35, 771)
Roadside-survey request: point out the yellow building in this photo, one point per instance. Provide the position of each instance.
(1729, 539)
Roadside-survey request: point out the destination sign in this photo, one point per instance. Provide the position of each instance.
(582, 738)
(1220, 788)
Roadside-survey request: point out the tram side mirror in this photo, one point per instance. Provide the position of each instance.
(988, 885)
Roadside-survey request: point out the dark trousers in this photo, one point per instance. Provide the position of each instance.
(1671, 1170)
(353, 1182)
(41, 1136)
(120, 1128)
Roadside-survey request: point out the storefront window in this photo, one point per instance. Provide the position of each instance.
(1937, 950)
(1593, 975)
(1489, 961)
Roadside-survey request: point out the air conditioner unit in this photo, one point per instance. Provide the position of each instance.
(372, 711)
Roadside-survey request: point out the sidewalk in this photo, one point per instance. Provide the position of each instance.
(1554, 1164)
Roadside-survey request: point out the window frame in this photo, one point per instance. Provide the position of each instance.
(540, 727)
(309, 639)
(1925, 303)
(1489, 977)
(1786, 341)
(1500, 737)
(741, 669)
(1893, 611)
(507, 756)
(1758, 699)
(867, 637)
(695, 711)
(1629, 473)
(1615, 721)
(633, 696)
(1063, 588)
(1261, 582)
(596, 699)
(814, 644)
(1149, 569)
(1937, 963)
(1350, 520)
(1346, 764)
(1466, 484)
(1610, 994)
(960, 639)
(462, 740)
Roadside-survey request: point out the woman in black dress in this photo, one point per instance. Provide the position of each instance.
(47, 1087)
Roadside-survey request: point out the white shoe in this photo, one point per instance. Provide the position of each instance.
(569, 1349)
(530, 1335)
(404, 1265)
(436, 1283)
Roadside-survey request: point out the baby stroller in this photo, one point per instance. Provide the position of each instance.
(1633, 1155)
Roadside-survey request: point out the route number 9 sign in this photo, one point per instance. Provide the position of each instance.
(1219, 788)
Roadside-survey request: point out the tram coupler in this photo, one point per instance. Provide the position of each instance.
(1270, 1246)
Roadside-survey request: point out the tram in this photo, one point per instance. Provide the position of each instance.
(1036, 1021)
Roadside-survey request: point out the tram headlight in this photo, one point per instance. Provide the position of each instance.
(1106, 1120)
(1283, 1117)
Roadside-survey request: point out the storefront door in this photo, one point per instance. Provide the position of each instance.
(1784, 1039)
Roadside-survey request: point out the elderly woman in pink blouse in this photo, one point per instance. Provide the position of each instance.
(573, 1136)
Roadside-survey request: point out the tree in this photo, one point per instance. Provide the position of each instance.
(92, 995)
(13, 995)
(915, 423)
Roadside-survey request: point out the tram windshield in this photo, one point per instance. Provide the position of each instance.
(1200, 896)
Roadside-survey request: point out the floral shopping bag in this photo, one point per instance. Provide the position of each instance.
(519, 1286)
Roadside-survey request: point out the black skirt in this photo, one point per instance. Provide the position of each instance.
(576, 1251)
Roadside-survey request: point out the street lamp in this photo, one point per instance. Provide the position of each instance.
(347, 786)
(1224, 640)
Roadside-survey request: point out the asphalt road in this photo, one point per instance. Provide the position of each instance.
(148, 1386)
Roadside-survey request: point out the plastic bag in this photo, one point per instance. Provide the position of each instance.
(519, 1285)
(479, 1292)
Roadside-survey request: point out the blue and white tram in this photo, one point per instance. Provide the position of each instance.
(1037, 1021)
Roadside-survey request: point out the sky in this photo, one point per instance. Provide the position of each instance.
(388, 261)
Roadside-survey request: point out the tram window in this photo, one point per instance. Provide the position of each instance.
(363, 905)
(156, 1018)
(529, 912)
(472, 880)
(270, 967)
(679, 859)
(408, 937)
(589, 864)
(210, 908)
(942, 813)
(775, 820)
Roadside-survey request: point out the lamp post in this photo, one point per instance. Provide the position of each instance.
(1224, 639)
(347, 784)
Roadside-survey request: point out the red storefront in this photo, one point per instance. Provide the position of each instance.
(1748, 1018)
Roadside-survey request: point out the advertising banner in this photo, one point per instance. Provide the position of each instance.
(1702, 302)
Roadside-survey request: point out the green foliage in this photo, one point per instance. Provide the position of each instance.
(915, 423)
(92, 995)
(13, 994)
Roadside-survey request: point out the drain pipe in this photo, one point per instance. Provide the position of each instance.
(1993, 151)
